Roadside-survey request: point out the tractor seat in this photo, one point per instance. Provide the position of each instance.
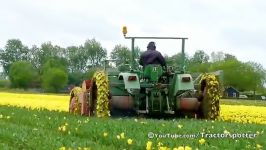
(153, 72)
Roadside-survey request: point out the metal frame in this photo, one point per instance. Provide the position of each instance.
(133, 65)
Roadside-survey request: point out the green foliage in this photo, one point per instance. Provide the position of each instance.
(76, 78)
(200, 57)
(13, 51)
(4, 83)
(242, 76)
(39, 129)
(199, 68)
(229, 57)
(54, 79)
(48, 51)
(95, 52)
(59, 63)
(121, 54)
(22, 74)
(176, 61)
(77, 59)
(89, 74)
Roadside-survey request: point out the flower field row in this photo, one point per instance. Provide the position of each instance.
(234, 113)
(22, 128)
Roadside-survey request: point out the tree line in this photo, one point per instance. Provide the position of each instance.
(52, 67)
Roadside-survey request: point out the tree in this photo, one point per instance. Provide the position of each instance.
(77, 59)
(242, 76)
(138, 52)
(199, 68)
(54, 79)
(121, 54)
(200, 57)
(48, 51)
(219, 56)
(34, 55)
(76, 78)
(95, 52)
(176, 61)
(22, 74)
(258, 75)
(13, 51)
(60, 63)
(229, 57)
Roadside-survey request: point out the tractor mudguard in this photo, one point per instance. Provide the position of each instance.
(182, 82)
(131, 80)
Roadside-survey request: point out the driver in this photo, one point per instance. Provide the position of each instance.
(151, 56)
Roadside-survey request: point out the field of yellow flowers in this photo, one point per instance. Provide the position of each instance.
(35, 121)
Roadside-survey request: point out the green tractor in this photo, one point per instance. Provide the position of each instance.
(151, 91)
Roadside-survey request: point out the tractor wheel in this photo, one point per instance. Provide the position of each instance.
(74, 105)
(100, 94)
(209, 97)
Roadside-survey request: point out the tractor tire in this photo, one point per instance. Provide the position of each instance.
(100, 94)
(210, 95)
(74, 105)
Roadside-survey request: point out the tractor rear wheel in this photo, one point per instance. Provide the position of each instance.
(100, 94)
(209, 97)
(74, 105)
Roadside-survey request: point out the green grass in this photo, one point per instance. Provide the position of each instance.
(243, 102)
(32, 129)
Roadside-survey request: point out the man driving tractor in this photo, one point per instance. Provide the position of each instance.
(151, 56)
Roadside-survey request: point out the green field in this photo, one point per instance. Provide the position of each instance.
(21, 128)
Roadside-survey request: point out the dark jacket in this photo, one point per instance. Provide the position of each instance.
(151, 56)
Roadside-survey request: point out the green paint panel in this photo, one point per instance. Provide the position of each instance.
(181, 83)
(130, 84)
(117, 87)
(153, 72)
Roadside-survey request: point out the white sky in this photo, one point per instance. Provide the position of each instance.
(237, 27)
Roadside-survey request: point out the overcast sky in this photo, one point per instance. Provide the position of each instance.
(237, 27)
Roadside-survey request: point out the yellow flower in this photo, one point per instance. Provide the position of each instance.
(136, 120)
(160, 144)
(7, 117)
(163, 148)
(64, 128)
(1, 116)
(188, 148)
(179, 126)
(226, 132)
(202, 141)
(105, 134)
(258, 146)
(149, 145)
(118, 137)
(129, 141)
(122, 135)
(62, 148)
(179, 148)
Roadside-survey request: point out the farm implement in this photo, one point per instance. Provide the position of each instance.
(153, 90)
